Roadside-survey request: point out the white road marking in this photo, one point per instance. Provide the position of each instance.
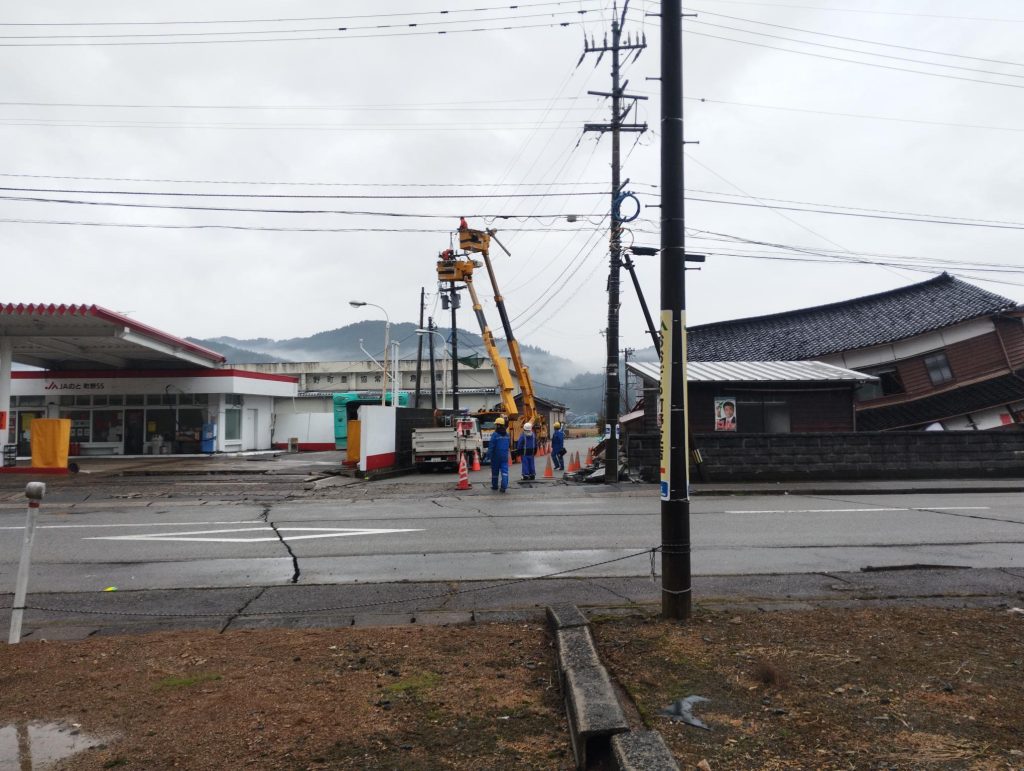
(140, 524)
(206, 536)
(851, 511)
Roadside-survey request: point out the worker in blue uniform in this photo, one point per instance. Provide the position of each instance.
(558, 447)
(527, 446)
(499, 448)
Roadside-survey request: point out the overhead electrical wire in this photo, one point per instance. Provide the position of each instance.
(393, 14)
(224, 33)
(340, 37)
(856, 39)
(303, 196)
(862, 116)
(854, 61)
(872, 12)
(859, 51)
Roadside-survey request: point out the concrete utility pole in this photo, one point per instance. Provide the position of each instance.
(616, 127)
(455, 352)
(433, 375)
(419, 351)
(676, 588)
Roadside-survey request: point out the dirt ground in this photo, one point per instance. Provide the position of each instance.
(480, 697)
(907, 688)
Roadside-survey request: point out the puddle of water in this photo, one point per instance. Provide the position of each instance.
(38, 745)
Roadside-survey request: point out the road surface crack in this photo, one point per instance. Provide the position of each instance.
(242, 609)
(295, 559)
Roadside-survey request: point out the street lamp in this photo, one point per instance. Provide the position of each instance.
(387, 333)
(444, 357)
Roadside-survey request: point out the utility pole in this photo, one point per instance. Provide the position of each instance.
(433, 376)
(455, 351)
(676, 587)
(419, 351)
(616, 127)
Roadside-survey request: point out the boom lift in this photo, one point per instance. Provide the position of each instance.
(451, 269)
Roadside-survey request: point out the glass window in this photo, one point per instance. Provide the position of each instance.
(889, 383)
(31, 401)
(79, 424)
(107, 425)
(159, 425)
(939, 371)
(100, 401)
(83, 401)
(376, 378)
(200, 398)
(232, 424)
(344, 378)
(135, 399)
(115, 400)
(190, 423)
(233, 400)
(66, 401)
(362, 378)
(154, 399)
(186, 399)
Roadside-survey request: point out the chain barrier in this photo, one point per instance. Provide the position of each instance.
(331, 608)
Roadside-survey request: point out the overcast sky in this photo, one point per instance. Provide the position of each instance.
(371, 112)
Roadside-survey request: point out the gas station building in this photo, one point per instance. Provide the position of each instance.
(127, 388)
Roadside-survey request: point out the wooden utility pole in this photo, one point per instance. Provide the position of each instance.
(419, 351)
(617, 125)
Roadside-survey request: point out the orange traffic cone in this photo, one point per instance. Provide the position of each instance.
(463, 475)
(590, 456)
(572, 463)
(548, 471)
(476, 460)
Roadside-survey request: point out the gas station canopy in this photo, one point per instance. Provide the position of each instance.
(88, 337)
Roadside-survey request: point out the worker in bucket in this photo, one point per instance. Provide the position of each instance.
(527, 446)
(499, 449)
(558, 448)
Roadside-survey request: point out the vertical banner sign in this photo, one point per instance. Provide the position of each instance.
(665, 397)
(673, 423)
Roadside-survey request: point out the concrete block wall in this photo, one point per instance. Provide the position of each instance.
(847, 455)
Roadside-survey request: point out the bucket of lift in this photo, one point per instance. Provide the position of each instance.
(474, 240)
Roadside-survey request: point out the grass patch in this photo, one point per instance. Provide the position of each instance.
(186, 682)
(415, 684)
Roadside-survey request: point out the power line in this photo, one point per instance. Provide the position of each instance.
(333, 196)
(223, 33)
(855, 39)
(453, 105)
(306, 184)
(412, 127)
(338, 37)
(854, 61)
(184, 22)
(264, 228)
(853, 115)
(870, 12)
(859, 51)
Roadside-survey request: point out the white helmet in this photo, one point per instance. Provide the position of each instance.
(527, 426)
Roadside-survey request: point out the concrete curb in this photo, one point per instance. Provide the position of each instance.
(598, 727)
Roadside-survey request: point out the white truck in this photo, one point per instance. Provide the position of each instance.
(439, 448)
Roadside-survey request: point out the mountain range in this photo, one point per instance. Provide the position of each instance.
(555, 377)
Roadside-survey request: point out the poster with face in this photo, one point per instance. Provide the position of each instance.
(725, 413)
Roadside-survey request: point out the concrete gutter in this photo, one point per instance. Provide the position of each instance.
(598, 728)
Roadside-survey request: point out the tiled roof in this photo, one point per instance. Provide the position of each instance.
(755, 372)
(863, 322)
(959, 401)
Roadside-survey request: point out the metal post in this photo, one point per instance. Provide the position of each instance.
(676, 597)
(419, 351)
(34, 491)
(455, 354)
(396, 373)
(384, 384)
(433, 380)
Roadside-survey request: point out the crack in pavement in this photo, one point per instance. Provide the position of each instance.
(926, 510)
(265, 516)
(630, 600)
(242, 609)
(838, 578)
(1010, 573)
